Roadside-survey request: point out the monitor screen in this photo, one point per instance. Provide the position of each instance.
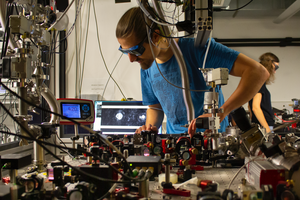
(71, 110)
(119, 117)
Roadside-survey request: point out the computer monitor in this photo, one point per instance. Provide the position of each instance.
(119, 117)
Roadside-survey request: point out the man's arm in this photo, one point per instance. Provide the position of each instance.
(155, 116)
(253, 76)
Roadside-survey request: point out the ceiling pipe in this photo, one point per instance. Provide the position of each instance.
(289, 12)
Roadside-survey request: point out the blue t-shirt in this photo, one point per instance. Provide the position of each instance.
(156, 90)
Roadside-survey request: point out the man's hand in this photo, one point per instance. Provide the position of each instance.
(192, 126)
(147, 128)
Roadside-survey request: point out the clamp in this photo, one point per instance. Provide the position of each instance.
(167, 185)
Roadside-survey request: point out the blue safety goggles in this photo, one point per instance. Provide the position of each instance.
(276, 66)
(136, 50)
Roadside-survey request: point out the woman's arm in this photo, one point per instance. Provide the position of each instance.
(258, 112)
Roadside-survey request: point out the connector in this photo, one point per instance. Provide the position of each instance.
(135, 172)
(187, 26)
(141, 173)
(149, 172)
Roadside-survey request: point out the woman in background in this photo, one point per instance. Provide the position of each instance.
(260, 106)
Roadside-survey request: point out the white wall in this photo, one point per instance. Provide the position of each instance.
(127, 74)
(287, 79)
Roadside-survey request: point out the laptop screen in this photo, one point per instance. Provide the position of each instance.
(119, 117)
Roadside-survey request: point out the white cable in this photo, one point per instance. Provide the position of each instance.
(112, 189)
(85, 45)
(76, 57)
(204, 61)
(150, 17)
(241, 170)
(64, 13)
(80, 43)
(110, 75)
(99, 45)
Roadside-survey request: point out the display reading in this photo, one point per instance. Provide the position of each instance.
(71, 111)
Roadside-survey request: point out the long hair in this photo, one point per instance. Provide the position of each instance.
(134, 23)
(267, 60)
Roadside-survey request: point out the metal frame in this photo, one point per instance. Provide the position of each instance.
(259, 42)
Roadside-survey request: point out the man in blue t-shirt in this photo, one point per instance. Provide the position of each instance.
(163, 94)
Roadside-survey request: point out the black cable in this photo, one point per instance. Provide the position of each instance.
(45, 148)
(56, 135)
(61, 140)
(17, 10)
(238, 8)
(4, 35)
(8, 28)
(32, 104)
(65, 163)
(52, 51)
(72, 27)
(63, 117)
(72, 149)
(162, 34)
(9, 11)
(34, 43)
(151, 28)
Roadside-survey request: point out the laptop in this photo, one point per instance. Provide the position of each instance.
(119, 117)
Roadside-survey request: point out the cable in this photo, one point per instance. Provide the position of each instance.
(281, 118)
(228, 187)
(64, 13)
(9, 11)
(99, 45)
(149, 38)
(159, 42)
(110, 76)
(284, 125)
(34, 43)
(85, 45)
(204, 61)
(56, 135)
(165, 35)
(56, 157)
(157, 16)
(77, 60)
(72, 27)
(54, 38)
(11, 105)
(150, 17)
(52, 51)
(239, 7)
(68, 148)
(111, 190)
(75, 122)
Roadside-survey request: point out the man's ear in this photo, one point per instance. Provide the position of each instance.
(156, 36)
